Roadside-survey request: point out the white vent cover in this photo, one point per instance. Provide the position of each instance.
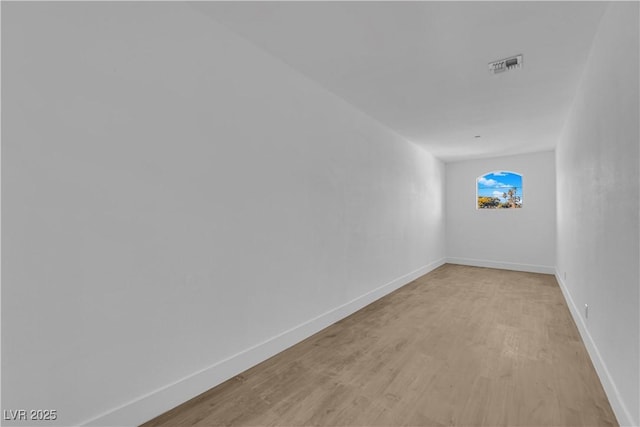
(506, 64)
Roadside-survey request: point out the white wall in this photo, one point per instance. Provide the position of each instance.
(515, 239)
(178, 206)
(598, 223)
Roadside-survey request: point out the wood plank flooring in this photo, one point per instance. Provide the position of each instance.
(459, 346)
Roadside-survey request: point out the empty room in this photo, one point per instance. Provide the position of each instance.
(320, 213)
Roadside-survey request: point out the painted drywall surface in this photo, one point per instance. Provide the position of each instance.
(519, 239)
(173, 196)
(598, 223)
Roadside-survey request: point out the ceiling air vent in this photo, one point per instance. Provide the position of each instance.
(506, 64)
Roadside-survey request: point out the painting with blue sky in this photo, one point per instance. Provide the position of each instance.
(499, 189)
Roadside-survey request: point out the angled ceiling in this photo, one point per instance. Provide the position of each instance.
(421, 68)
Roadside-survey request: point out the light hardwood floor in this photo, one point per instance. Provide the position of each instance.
(459, 346)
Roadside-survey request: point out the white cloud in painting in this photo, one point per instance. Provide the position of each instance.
(491, 183)
(499, 173)
(498, 194)
(488, 182)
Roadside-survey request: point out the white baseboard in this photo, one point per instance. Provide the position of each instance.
(159, 401)
(615, 399)
(503, 265)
